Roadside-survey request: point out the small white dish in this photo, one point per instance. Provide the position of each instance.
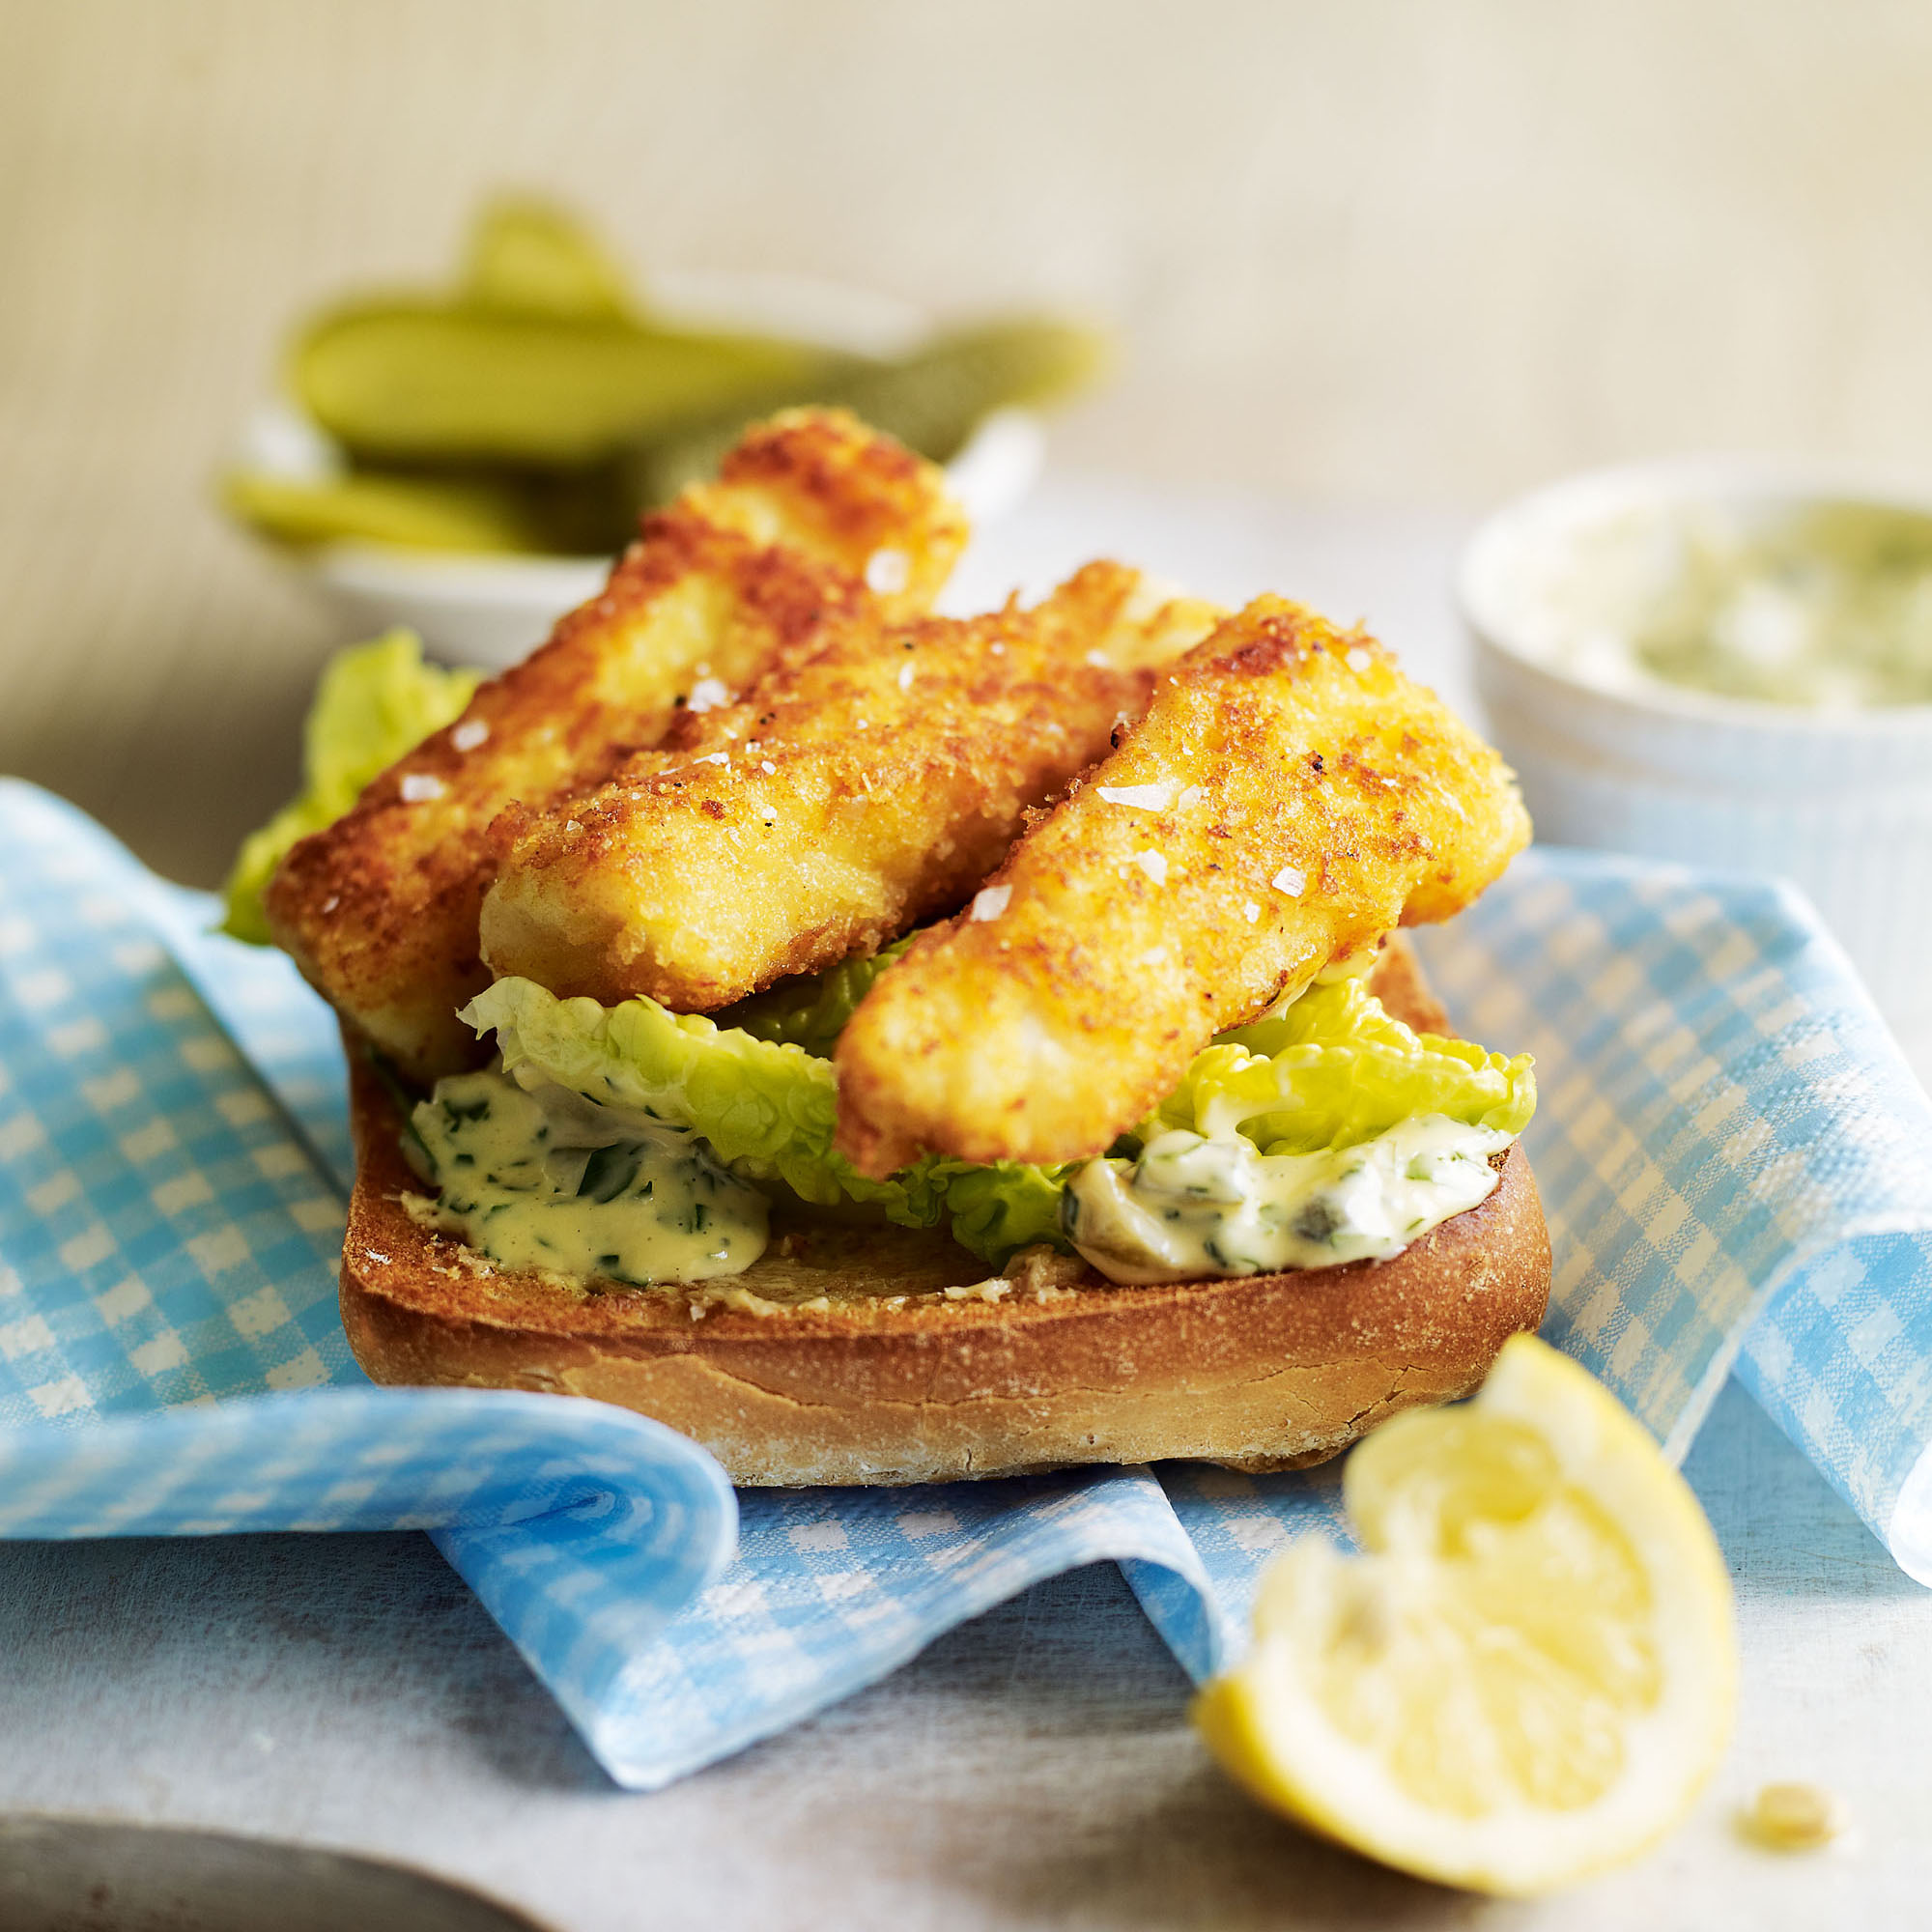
(1839, 801)
(494, 610)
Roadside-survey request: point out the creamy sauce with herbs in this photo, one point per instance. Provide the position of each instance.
(543, 1177)
(548, 1179)
(1191, 1206)
(1828, 607)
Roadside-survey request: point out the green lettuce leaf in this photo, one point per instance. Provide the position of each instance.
(1332, 1069)
(767, 1107)
(1335, 1068)
(997, 1211)
(374, 703)
(812, 1010)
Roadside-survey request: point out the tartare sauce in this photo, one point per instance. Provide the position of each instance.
(547, 1180)
(1828, 605)
(1192, 1207)
(543, 1177)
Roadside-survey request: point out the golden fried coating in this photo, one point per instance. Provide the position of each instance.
(1288, 797)
(842, 800)
(380, 911)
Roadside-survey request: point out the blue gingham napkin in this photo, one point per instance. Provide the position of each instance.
(1732, 1157)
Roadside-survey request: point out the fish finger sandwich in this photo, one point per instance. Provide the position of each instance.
(976, 1046)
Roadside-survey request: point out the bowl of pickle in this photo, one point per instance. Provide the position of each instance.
(466, 460)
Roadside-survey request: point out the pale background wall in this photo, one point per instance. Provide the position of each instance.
(1377, 252)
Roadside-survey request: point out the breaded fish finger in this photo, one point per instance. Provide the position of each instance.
(841, 800)
(1288, 797)
(380, 911)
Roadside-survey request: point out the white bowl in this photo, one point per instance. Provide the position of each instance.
(1838, 801)
(493, 610)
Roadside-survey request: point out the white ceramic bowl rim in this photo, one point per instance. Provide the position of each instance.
(990, 473)
(1562, 506)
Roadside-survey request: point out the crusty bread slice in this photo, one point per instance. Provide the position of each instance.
(857, 1354)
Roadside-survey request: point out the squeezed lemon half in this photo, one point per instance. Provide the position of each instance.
(1530, 1672)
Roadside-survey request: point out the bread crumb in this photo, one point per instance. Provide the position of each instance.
(1045, 1274)
(1793, 1818)
(426, 1212)
(993, 1290)
(742, 1299)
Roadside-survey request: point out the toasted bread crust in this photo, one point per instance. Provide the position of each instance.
(849, 1363)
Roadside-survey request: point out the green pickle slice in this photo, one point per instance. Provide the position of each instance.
(537, 407)
(530, 257)
(405, 380)
(422, 512)
(930, 400)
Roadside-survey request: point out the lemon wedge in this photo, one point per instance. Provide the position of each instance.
(1530, 1673)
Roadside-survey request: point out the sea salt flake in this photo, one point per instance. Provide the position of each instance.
(1153, 865)
(470, 734)
(990, 901)
(714, 758)
(1143, 798)
(1251, 912)
(1357, 660)
(906, 677)
(420, 787)
(888, 572)
(770, 770)
(1287, 880)
(708, 693)
(1099, 661)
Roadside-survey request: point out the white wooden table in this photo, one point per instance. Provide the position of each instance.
(1034, 1768)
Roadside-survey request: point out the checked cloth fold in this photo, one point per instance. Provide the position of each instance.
(1736, 1165)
